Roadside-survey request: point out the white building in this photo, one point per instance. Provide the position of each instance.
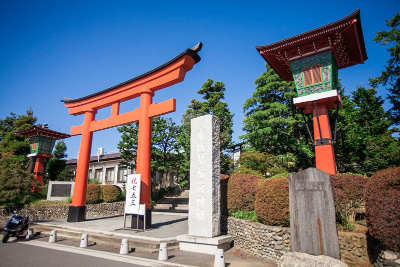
(105, 168)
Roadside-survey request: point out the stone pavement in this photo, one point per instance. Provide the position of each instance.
(166, 226)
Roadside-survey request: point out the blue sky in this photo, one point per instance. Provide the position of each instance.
(50, 50)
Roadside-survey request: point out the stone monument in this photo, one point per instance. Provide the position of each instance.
(204, 197)
(312, 214)
(60, 190)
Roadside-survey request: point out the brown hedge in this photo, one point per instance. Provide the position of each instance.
(272, 201)
(111, 193)
(241, 193)
(348, 192)
(382, 207)
(224, 190)
(93, 194)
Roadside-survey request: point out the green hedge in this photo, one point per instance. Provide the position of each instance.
(272, 202)
(241, 193)
(382, 204)
(111, 193)
(93, 194)
(348, 192)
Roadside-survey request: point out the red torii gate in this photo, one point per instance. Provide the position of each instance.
(142, 86)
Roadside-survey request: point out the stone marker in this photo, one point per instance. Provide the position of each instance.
(312, 214)
(204, 196)
(60, 190)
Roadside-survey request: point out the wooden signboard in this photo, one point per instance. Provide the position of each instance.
(312, 214)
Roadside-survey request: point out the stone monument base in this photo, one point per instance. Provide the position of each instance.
(206, 245)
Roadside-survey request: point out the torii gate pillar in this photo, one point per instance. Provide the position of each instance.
(143, 86)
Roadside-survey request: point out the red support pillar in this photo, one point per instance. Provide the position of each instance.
(77, 211)
(144, 147)
(38, 171)
(324, 153)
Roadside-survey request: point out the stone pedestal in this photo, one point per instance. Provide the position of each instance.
(206, 245)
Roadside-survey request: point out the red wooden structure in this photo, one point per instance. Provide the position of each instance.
(41, 145)
(143, 86)
(334, 46)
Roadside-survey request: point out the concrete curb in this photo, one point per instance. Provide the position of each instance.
(86, 230)
(102, 254)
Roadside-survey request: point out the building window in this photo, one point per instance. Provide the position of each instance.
(122, 174)
(98, 173)
(109, 175)
(312, 75)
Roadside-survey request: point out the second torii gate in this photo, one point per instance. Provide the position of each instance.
(143, 86)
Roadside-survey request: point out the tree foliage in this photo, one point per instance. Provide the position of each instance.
(213, 94)
(391, 75)
(272, 124)
(13, 147)
(166, 156)
(260, 164)
(57, 169)
(15, 186)
(365, 143)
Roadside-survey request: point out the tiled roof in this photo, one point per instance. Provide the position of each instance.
(104, 157)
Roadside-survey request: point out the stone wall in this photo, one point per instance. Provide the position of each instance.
(59, 211)
(257, 239)
(272, 242)
(353, 248)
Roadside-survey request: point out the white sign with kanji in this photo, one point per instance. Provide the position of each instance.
(132, 198)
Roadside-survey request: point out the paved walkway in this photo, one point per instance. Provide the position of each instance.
(166, 226)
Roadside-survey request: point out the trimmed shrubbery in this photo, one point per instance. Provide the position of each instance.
(241, 192)
(382, 203)
(348, 192)
(111, 193)
(93, 194)
(272, 201)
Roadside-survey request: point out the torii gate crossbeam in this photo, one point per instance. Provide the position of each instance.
(143, 86)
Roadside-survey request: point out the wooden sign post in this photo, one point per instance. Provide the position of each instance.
(312, 214)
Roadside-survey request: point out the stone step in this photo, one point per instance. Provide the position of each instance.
(174, 200)
(140, 245)
(168, 206)
(173, 210)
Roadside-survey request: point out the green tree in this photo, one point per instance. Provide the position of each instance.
(165, 151)
(13, 147)
(365, 144)
(15, 182)
(212, 93)
(272, 124)
(261, 164)
(391, 75)
(57, 169)
(15, 186)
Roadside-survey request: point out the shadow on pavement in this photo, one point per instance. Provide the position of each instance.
(157, 225)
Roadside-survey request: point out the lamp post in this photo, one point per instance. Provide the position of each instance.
(41, 142)
(312, 60)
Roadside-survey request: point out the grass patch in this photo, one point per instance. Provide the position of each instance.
(246, 215)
